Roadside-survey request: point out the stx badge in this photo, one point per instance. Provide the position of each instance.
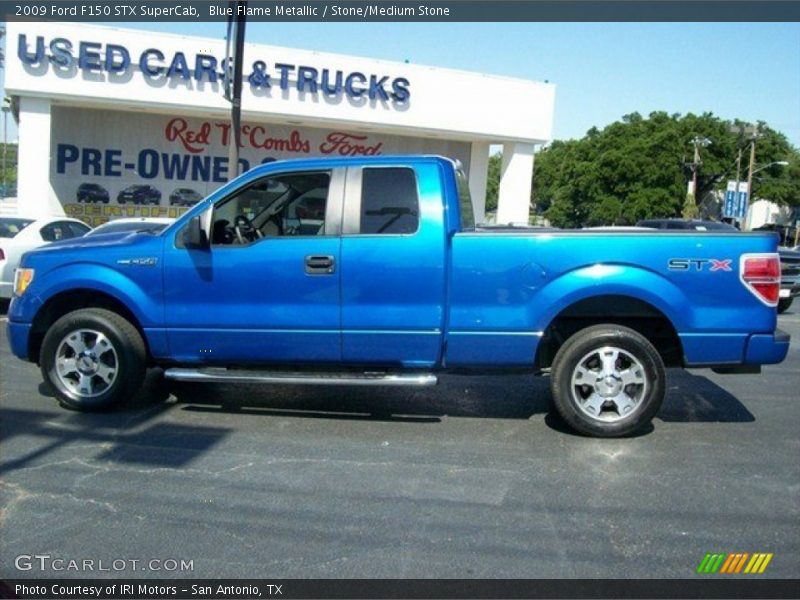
(699, 264)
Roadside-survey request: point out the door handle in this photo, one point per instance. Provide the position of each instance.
(320, 264)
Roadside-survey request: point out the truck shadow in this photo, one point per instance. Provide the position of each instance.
(131, 435)
(690, 398)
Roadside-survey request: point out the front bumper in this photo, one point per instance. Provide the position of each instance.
(767, 348)
(18, 336)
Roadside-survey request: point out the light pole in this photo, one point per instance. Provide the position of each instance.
(698, 142)
(690, 209)
(6, 108)
(750, 172)
(782, 163)
(233, 89)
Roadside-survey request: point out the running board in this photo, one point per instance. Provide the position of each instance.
(218, 375)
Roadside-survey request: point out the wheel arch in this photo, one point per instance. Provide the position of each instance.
(70, 300)
(616, 309)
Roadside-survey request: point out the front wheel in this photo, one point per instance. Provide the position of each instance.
(93, 359)
(607, 381)
(784, 304)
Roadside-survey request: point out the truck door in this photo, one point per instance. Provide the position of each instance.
(393, 266)
(267, 288)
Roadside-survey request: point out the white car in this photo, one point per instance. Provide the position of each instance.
(147, 224)
(20, 234)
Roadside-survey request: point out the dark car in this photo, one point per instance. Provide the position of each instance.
(139, 194)
(790, 278)
(692, 224)
(92, 192)
(790, 260)
(184, 197)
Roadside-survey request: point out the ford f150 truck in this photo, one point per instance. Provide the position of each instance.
(371, 271)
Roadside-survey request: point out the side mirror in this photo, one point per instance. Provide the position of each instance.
(193, 235)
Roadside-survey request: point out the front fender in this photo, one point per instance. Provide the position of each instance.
(610, 279)
(139, 291)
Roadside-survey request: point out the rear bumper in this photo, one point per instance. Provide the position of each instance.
(18, 335)
(725, 351)
(767, 348)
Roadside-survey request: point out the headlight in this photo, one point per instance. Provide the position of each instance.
(22, 279)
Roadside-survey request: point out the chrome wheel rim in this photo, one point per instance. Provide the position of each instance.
(86, 363)
(608, 384)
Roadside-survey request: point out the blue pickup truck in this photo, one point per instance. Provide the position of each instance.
(372, 271)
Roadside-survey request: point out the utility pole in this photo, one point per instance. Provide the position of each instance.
(695, 167)
(233, 89)
(750, 177)
(747, 132)
(738, 169)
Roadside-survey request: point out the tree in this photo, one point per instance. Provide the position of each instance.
(638, 168)
(493, 181)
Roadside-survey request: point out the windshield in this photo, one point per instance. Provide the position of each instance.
(11, 227)
(143, 227)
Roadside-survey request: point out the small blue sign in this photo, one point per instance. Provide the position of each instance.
(742, 201)
(730, 200)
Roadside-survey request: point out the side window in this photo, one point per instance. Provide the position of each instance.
(291, 204)
(389, 202)
(56, 231)
(47, 233)
(77, 229)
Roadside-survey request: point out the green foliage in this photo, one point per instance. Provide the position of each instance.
(493, 181)
(639, 167)
(11, 165)
(690, 210)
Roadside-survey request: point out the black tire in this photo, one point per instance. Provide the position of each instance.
(607, 424)
(129, 364)
(784, 304)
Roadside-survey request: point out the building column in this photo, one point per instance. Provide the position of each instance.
(35, 196)
(516, 175)
(478, 175)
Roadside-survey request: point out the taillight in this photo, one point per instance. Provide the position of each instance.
(2, 254)
(761, 273)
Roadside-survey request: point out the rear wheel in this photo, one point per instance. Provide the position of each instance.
(93, 359)
(784, 304)
(607, 381)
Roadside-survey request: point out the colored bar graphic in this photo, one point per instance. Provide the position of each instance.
(734, 562)
(741, 562)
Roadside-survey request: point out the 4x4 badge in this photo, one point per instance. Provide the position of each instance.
(147, 261)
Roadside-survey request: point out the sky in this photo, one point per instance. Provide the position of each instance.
(602, 71)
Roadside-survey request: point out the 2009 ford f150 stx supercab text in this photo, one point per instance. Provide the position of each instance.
(372, 271)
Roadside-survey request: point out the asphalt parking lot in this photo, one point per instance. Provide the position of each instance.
(472, 478)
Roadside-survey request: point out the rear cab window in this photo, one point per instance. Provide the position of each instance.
(389, 201)
(467, 214)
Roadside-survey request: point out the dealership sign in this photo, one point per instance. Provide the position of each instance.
(105, 164)
(115, 59)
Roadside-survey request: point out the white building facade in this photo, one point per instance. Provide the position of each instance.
(102, 110)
